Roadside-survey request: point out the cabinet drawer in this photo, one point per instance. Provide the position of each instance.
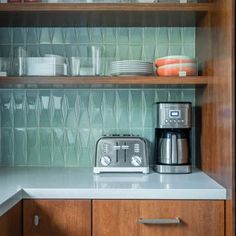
(164, 218)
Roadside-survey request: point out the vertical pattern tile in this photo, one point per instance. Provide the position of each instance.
(32, 108)
(33, 151)
(20, 147)
(61, 127)
(120, 43)
(19, 104)
(45, 149)
(58, 147)
(7, 147)
(6, 109)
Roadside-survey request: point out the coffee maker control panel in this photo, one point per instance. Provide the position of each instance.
(173, 115)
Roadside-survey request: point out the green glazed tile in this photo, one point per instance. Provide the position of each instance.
(19, 110)
(96, 35)
(70, 148)
(188, 35)
(83, 35)
(7, 148)
(136, 52)
(123, 109)
(31, 36)
(162, 35)
(175, 35)
(45, 108)
(5, 35)
(19, 36)
(150, 34)
(45, 140)
(33, 145)
(69, 35)
(84, 136)
(32, 108)
(175, 49)
(84, 158)
(57, 35)
(44, 35)
(136, 35)
(58, 109)
(109, 35)
(5, 51)
(58, 147)
(136, 109)
(20, 147)
(123, 37)
(6, 108)
(108, 108)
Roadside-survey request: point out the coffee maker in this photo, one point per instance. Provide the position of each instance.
(172, 131)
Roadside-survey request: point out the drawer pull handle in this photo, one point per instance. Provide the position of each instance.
(36, 220)
(159, 221)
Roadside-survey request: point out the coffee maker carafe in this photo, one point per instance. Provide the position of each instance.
(173, 125)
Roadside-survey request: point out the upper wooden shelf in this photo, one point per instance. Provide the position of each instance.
(105, 81)
(102, 14)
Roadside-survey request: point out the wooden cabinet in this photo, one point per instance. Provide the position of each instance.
(57, 218)
(121, 217)
(215, 100)
(11, 222)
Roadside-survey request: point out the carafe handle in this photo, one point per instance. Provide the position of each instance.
(174, 150)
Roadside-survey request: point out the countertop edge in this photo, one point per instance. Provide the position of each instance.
(155, 194)
(11, 202)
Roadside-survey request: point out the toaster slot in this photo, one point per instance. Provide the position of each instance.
(117, 144)
(125, 152)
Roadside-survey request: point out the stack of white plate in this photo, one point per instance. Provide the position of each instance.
(131, 67)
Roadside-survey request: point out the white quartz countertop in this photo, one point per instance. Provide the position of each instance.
(80, 183)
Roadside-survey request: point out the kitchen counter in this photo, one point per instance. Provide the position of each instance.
(80, 183)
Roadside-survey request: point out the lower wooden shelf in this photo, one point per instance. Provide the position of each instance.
(94, 81)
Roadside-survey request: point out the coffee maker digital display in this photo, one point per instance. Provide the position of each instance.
(172, 130)
(175, 114)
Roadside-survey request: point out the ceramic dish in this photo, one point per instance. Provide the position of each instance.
(187, 69)
(174, 60)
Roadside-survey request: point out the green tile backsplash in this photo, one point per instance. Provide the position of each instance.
(120, 42)
(55, 127)
(60, 127)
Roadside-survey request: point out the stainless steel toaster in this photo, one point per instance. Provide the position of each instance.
(116, 153)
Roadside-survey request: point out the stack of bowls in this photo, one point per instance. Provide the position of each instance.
(176, 65)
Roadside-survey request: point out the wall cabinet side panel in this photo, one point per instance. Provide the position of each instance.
(217, 99)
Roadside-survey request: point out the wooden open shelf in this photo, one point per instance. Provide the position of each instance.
(149, 81)
(102, 14)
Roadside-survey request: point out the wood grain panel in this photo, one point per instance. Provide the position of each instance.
(40, 14)
(57, 217)
(11, 222)
(104, 7)
(217, 100)
(120, 217)
(192, 81)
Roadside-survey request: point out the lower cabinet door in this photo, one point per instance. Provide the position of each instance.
(11, 222)
(158, 218)
(57, 218)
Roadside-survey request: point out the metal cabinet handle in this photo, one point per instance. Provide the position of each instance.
(159, 221)
(36, 220)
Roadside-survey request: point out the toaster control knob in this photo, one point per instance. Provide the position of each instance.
(136, 161)
(105, 160)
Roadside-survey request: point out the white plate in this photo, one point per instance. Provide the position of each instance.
(131, 73)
